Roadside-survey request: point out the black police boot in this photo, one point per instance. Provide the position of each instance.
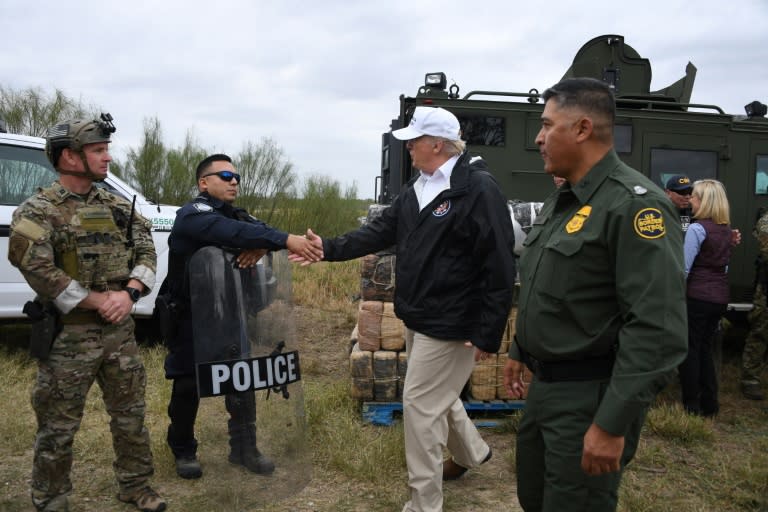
(185, 452)
(243, 451)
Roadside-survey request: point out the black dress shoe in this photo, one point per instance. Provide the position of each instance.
(454, 471)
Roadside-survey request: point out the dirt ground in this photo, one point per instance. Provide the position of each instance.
(324, 344)
(324, 347)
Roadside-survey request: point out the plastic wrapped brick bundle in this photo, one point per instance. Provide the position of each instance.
(375, 211)
(369, 325)
(385, 375)
(482, 382)
(377, 277)
(361, 371)
(392, 329)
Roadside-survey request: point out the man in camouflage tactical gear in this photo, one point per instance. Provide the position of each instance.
(89, 257)
(756, 345)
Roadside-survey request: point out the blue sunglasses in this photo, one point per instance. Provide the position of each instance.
(224, 175)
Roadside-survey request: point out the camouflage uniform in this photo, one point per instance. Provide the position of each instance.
(65, 246)
(756, 344)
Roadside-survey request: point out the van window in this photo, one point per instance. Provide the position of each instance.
(697, 165)
(761, 175)
(22, 171)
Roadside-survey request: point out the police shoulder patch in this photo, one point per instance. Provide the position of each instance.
(202, 207)
(649, 223)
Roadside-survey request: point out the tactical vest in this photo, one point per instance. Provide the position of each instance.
(90, 247)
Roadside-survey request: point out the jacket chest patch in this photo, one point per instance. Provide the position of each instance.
(578, 220)
(442, 209)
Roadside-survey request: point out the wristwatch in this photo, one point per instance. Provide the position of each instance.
(133, 293)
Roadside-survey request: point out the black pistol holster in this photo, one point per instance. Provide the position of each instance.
(46, 325)
(167, 312)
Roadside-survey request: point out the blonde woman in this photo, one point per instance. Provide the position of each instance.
(707, 252)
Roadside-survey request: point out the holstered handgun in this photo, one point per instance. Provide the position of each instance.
(167, 312)
(46, 325)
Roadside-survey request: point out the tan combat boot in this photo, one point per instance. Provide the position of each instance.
(145, 499)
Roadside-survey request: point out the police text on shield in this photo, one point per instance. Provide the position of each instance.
(227, 377)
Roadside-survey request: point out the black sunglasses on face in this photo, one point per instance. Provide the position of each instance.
(224, 175)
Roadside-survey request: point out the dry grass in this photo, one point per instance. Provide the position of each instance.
(684, 463)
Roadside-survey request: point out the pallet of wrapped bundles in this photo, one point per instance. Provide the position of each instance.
(369, 325)
(377, 277)
(482, 382)
(392, 329)
(361, 372)
(385, 375)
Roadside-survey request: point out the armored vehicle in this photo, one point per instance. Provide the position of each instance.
(660, 133)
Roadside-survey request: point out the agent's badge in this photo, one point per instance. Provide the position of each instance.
(578, 220)
(649, 223)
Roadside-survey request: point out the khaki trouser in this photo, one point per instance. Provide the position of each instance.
(434, 417)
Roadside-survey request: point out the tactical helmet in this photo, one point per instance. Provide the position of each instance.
(76, 133)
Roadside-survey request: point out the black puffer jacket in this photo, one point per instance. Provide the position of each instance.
(455, 267)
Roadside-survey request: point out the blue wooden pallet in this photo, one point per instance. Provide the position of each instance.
(382, 413)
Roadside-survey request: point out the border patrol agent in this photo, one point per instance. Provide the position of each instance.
(756, 345)
(90, 257)
(601, 320)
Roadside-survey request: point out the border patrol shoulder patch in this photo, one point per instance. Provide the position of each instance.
(649, 223)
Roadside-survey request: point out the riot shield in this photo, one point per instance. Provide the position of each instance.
(249, 380)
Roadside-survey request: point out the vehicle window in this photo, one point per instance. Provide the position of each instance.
(697, 165)
(622, 138)
(22, 171)
(483, 130)
(109, 188)
(761, 175)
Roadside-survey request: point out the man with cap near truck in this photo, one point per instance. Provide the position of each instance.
(679, 189)
(455, 274)
(601, 319)
(90, 257)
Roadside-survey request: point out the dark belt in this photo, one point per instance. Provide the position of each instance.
(597, 368)
(81, 316)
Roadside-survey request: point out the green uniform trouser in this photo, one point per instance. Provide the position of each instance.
(550, 441)
(756, 344)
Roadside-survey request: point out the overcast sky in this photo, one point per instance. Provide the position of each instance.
(323, 78)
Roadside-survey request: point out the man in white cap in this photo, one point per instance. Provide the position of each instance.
(455, 275)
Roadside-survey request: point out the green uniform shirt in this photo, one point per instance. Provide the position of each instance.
(602, 270)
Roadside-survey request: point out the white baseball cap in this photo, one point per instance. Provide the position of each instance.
(434, 121)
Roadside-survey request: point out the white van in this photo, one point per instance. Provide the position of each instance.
(23, 168)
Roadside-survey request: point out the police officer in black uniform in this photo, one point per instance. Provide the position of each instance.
(211, 220)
